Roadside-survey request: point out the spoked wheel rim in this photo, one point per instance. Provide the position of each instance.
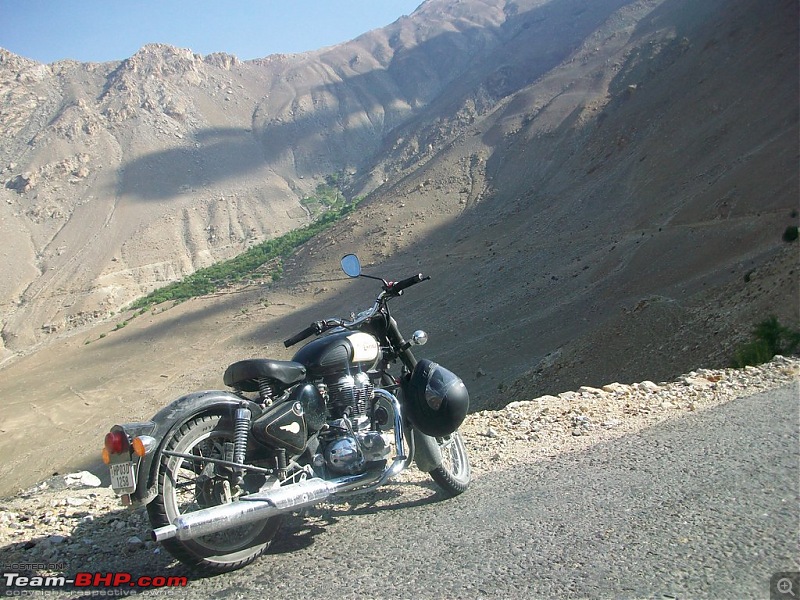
(190, 485)
(453, 474)
(454, 457)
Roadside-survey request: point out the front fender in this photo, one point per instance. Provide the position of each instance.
(427, 453)
(170, 418)
(424, 448)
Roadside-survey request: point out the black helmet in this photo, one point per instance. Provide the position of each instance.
(437, 399)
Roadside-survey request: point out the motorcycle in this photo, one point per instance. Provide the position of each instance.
(218, 470)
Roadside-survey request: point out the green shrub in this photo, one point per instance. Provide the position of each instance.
(769, 338)
(790, 235)
(210, 279)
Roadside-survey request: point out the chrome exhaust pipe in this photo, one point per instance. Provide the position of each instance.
(263, 505)
(276, 501)
(248, 509)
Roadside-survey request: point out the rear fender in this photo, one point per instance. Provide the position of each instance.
(170, 418)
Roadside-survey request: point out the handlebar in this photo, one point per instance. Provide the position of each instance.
(391, 289)
(395, 288)
(299, 337)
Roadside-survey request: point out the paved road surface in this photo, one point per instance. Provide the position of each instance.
(705, 506)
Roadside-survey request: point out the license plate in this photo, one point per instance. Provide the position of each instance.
(123, 478)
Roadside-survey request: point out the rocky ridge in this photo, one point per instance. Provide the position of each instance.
(70, 523)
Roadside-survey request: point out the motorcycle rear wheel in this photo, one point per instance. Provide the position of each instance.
(454, 474)
(184, 486)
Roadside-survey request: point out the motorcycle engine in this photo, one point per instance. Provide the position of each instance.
(350, 444)
(349, 395)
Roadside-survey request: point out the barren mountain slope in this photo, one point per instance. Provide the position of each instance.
(119, 177)
(614, 212)
(637, 194)
(116, 181)
(621, 217)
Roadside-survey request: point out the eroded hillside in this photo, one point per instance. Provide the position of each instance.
(119, 177)
(598, 190)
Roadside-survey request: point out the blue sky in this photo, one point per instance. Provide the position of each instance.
(105, 30)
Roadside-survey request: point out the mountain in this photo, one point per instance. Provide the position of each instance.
(120, 177)
(599, 192)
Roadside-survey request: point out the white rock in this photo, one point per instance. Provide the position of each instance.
(82, 478)
(615, 388)
(546, 398)
(698, 382)
(519, 404)
(585, 389)
(649, 386)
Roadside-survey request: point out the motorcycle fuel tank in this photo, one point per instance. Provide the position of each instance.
(339, 352)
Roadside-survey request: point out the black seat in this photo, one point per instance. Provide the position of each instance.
(246, 373)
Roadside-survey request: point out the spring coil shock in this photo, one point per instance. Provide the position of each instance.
(266, 390)
(240, 430)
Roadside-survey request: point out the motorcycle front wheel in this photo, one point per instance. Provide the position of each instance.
(453, 475)
(188, 485)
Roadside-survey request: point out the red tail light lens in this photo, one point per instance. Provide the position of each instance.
(116, 442)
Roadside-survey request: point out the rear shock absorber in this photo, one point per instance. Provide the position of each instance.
(240, 430)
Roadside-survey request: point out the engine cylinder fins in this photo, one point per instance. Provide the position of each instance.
(350, 395)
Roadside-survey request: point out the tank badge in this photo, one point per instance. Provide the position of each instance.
(293, 428)
(365, 347)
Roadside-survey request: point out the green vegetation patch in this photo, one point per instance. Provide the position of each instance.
(330, 205)
(326, 197)
(769, 339)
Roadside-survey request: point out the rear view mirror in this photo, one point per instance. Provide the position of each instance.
(351, 265)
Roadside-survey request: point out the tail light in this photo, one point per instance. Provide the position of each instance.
(116, 442)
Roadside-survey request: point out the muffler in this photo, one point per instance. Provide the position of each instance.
(270, 503)
(248, 509)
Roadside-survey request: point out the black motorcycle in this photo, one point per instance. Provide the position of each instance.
(218, 469)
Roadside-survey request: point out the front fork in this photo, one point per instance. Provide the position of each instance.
(423, 449)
